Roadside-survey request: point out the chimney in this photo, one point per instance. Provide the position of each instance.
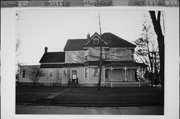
(88, 36)
(45, 50)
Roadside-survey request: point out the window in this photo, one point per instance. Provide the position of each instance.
(95, 72)
(86, 55)
(64, 73)
(113, 55)
(85, 58)
(74, 74)
(85, 72)
(106, 53)
(24, 73)
(50, 75)
(132, 57)
(95, 41)
(106, 73)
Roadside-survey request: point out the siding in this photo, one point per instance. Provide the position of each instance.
(74, 56)
(113, 54)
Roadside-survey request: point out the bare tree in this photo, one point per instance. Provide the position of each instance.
(34, 73)
(156, 20)
(147, 52)
(18, 47)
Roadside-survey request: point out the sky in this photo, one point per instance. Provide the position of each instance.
(39, 28)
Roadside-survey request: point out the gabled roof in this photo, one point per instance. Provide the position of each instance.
(90, 43)
(109, 40)
(53, 57)
(75, 44)
(115, 41)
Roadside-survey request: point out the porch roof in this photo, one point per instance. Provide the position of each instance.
(116, 63)
(94, 63)
(61, 65)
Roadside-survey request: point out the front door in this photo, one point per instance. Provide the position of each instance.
(74, 74)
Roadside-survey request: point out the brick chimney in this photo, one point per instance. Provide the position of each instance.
(45, 49)
(88, 36)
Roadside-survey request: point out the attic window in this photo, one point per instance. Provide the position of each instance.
(95, 41)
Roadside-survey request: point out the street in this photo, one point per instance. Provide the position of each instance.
(143, 110)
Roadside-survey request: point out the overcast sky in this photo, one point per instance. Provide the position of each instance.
(39, 28)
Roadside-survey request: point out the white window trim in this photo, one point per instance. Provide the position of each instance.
(95, 41)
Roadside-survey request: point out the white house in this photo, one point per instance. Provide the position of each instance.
(80, 62)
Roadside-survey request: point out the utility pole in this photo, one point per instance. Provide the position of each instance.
(100, 57)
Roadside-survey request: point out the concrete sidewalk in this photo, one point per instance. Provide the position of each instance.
(143, 110)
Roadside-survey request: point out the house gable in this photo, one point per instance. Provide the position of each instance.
(96, 41)
(108, 40)
(74, 48)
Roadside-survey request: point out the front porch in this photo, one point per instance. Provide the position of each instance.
(116, 84)
(125, 84)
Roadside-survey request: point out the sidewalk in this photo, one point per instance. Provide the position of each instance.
(143, 110)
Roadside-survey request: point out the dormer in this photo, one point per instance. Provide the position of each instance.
(95, 41)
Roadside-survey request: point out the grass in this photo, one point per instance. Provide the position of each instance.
(91, 97)
(30, 94)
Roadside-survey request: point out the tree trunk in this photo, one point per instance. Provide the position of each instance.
(100, 68)
(161, 55)
(160, 38)
(99, 83)
(35, 84)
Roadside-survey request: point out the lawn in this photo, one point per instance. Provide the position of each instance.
(30, 94)
(91, 97)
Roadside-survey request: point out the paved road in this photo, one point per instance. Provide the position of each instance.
(145, 110)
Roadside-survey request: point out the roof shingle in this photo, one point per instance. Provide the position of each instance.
(115, 41)
(109, 38)
(53, 57)
(74, 44)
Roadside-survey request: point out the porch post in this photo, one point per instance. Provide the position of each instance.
(125, 68)
(111, 75)
(111, 72)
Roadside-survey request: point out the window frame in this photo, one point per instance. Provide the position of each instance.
(95, 41)
(74, 73)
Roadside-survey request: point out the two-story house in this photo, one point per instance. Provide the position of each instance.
(80, 60)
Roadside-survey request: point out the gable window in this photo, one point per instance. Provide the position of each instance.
(95, 41)
(24, 73)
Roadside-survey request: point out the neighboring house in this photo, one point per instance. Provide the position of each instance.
(80, 60)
